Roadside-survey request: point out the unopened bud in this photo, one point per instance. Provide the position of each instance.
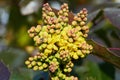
(74, 23)
(27, 62)
(35, 68)
(82, 23)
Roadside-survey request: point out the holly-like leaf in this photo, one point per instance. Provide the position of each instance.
(113, 15)
(4, 72)
(105, 54)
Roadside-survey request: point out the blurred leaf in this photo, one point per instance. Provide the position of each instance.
(91, 71)
(13, 57)
(102, 34)
(17, 28)
(107, 34)
(94, 16)
(105, 54)
(16, 19)
(41, 75)
(115, 42)
(4, 72)
(22, 37)
(21, 74)
(107, 70)
(30, 6)
(113, 14)
(28, 74)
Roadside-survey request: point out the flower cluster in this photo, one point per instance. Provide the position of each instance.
(59, 42)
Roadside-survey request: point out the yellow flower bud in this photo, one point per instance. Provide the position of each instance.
(75, 48)
(58, 26)
(81, 39)
(85, 19)
(69, 69)
(55, 47)
(44, 45)
(29, 66)
(45, 40)
(63, 33)
(82, 23)
(44, 65)
(64, 10)
(39, 63)
(90, 47)
(75, 56)
(78, 28)
(66, 20)
(33, 63)
(31, 35)
(38, 28)
(35, 38)
(79, 53)
(30, 58)
(87, 51)
(27, 62)
(51, 13)
(50, 46)
(35, 57)
(47, 51)
(57, 55)
(45, 70)
(52, 30)
(82, 56)
(71, 54)
(60, 12)
(82, 16)
(70, 40)
(40, 68)
(65, 14)
(74, 23)
(65, 70)
(35, 68)
(57, 31)
(40, 48)
(49, 40)
(45, 34)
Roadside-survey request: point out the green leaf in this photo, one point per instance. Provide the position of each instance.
(105, 53)
(21, 74)
(107, 70)
(91, 71)
(13, 57)
(113, 15)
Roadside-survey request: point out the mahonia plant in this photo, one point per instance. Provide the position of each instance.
(59, 42)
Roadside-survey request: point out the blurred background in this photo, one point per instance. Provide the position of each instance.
(17, 16)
